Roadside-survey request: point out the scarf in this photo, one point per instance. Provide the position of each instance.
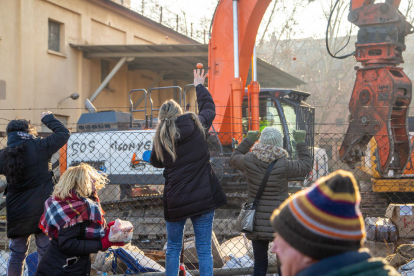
(268, 153)
(16, 138)
(75, 209)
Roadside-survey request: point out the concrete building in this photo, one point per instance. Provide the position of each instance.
(39, 68)
(50, 49)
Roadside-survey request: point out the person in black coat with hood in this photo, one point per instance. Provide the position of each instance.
(192, 190)
(26, 164)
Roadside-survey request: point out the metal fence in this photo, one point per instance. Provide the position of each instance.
(135, 194)
(178, 22)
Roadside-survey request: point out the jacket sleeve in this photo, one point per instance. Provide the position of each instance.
(154, 160)
(302, 166)
(60, 135)
(206, 106)
(237, 158)
(71, 246)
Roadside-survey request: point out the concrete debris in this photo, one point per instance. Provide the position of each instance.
(236, 247)
(380, 249)
(404, 254)
(190, 252)
(241, 246)
(239, 262)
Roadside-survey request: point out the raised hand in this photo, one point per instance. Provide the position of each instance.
(45, 113)
(299, 136)
(253, 135)
(199, 78)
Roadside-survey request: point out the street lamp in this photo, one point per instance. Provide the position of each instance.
(73, 96)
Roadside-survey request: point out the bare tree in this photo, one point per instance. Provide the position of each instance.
(268, 22)
(285, 11)
(329, 80)
(409, 11)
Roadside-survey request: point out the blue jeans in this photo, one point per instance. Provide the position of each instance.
(203, 227)
(18, 252)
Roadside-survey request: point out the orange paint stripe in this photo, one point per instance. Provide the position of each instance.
(322, 230)
(63, 164)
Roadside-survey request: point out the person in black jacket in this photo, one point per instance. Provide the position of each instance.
(26, 164)
(73, 219)
(192, 190)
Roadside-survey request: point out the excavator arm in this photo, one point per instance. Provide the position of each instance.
(382, 92)
(233, 37)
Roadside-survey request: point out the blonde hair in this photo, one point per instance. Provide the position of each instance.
(167, 132)
(79, 178)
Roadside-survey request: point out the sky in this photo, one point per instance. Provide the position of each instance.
(310, 20)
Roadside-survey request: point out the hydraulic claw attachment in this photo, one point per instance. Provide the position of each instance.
(382, 92)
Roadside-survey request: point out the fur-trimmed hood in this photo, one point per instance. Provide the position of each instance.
(268, 153)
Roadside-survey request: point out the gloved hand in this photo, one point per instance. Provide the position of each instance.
(105, 240)
(253, 136)
(299, 136)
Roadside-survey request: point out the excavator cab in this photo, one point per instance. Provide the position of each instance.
(284, 109)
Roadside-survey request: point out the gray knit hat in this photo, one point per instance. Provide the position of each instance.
(271, 136)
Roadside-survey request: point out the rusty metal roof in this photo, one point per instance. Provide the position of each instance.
(179, 60)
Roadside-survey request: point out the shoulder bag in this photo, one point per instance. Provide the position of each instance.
(245, 221)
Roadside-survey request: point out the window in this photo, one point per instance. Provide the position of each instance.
(63, 119)
(290, 116)
(2, 90)
(55, 36)
(268, 115)
(104, 71)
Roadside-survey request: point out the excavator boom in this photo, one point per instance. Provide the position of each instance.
(228, 72)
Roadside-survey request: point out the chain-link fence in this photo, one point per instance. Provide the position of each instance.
(135, 193)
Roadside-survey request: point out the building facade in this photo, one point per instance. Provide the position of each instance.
(39, 69)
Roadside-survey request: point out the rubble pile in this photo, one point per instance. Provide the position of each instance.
(236, 252)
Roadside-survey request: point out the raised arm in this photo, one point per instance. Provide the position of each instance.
(237, 158)
(59, 137)
(206, 106)
(303, 165)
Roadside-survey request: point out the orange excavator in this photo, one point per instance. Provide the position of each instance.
(232, 44)
(379, 101)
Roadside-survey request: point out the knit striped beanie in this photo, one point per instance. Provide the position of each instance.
(323, 220)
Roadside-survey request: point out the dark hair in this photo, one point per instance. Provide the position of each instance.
(14, 157)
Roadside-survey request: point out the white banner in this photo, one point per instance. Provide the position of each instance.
(123, 152)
